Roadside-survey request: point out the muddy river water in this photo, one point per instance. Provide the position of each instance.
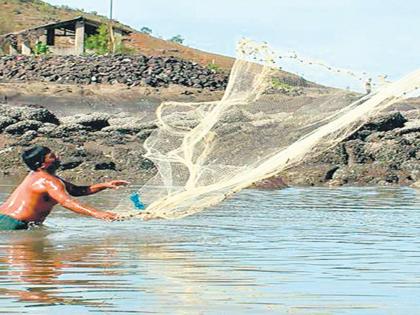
(293, 251)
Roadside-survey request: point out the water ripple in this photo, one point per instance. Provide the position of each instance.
(293, 251)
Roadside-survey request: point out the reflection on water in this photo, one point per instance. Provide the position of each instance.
(295, 251)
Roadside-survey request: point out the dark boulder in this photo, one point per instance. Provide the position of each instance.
(105, 166)
(383, 122)
(71, 164)
(40, 114)
(91, 122)
(5, 122)
(21, 127)
(386, 122)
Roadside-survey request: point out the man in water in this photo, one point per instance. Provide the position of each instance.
(42, 189)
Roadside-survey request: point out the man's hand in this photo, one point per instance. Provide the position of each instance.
(115, 184)
(107, 216)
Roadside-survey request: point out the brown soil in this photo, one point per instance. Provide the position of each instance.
(152, 46)
(18, 15)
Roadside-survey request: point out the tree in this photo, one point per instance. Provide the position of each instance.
(100, 42)
(177, 39)
(146, 30)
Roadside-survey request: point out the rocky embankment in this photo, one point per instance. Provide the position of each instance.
(384, 151)
(92, 146)
(129, 70)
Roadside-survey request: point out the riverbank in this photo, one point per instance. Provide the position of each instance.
(384, 151)
(99, 146)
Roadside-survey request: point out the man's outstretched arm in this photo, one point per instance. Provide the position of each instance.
(57, 190)
(77, 191)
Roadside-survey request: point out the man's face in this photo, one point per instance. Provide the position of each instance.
(51, 162)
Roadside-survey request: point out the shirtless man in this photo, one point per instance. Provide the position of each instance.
(41, 190)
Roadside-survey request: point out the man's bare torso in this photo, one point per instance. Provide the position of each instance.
(31, 202)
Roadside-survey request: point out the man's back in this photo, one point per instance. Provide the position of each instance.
(41, 190)
(31, 202)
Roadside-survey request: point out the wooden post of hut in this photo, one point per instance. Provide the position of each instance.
(79, 43)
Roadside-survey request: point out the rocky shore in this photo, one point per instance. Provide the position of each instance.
(116, 69)
(384, 151)
(92, 146)
(97, 146)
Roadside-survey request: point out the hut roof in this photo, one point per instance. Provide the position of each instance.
(69, 23)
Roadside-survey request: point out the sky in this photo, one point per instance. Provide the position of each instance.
(376, 36)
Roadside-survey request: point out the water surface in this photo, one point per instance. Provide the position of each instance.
(293, 251)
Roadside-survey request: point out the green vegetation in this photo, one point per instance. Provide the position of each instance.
(41, 48)
(214, 67)
(101, 43)
(177, 39)
(146, 30)
(281, 86)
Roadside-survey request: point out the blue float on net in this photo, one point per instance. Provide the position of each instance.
(135, 199)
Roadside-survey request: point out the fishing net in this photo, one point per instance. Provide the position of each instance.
(268, 120)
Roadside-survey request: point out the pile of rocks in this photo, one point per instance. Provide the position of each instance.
(129, 70)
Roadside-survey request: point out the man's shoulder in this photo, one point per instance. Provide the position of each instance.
(45, 178)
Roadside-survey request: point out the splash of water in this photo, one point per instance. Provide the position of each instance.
(268, 120)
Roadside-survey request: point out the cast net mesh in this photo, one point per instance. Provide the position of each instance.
(267, 120)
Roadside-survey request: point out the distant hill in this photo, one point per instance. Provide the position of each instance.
(17, 15)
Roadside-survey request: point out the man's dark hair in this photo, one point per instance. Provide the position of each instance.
(35, 156)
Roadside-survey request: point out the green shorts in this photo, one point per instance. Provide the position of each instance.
(8, 223)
